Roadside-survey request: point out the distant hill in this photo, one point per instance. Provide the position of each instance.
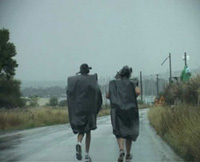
(44, 92)
(58, 88)
(43, 84)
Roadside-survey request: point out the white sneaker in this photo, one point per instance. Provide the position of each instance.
(129, 157)
(88, 158)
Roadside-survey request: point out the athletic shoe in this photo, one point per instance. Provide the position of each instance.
(128, 157)
(88, 158)
(78, 152)
(121, 156)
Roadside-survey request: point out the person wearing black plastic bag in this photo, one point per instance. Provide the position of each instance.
(124, 110)
(84, 102)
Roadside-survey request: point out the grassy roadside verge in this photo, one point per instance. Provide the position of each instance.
(180, 128)
(17, 119)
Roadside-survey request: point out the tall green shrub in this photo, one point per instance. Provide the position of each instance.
(53, 101)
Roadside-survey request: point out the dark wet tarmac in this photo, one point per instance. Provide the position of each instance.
(57, 143)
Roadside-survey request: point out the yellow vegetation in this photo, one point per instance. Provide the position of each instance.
(36, 117)
(180, 127)
(32, 117)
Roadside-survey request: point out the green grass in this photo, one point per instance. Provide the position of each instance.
(180, 127)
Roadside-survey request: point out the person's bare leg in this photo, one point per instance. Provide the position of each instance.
(78, 146)
(128, 146)
(121, 149)
(87, 142)
(80, 137)
(87, 147)
(120, 143)
(128, 149)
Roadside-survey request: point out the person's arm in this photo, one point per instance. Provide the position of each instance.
(99, 100)
(108, 95)
(137, 91)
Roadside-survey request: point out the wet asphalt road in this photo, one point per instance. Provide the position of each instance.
(57, 143)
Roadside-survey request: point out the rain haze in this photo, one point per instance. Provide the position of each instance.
(53, 38)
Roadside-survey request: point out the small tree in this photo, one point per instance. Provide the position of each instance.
(53, 101)
(33, 101)
(9, 88)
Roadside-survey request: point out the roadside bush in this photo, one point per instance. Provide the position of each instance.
(10, 95)
(190, 94)
(33, 101)
(53, 101)
(62, 103)
(183, 92)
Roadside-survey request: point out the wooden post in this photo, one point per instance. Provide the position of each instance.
(141, 86)
(170, 69)
(157, 84)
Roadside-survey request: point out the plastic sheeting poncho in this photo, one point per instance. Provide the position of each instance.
(124, 109)
(84, 101)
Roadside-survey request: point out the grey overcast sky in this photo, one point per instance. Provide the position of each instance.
(53, 37)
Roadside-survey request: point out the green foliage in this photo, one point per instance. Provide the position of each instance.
(7, 52)
(62, 103)
(33, 101)
(9, 88)
(10, 94)
(53, 101)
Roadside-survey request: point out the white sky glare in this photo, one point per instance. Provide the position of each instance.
(54, 37)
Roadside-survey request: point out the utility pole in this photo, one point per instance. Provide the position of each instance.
(141, 86)
(170, 69)
(157, 84)
(185, 58)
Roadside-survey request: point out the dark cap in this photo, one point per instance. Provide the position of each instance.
(84, 69)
